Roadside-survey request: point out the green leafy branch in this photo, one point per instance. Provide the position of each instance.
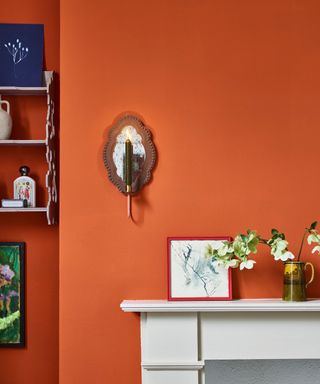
(233, 254)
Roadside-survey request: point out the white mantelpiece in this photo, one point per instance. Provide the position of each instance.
(250, 305)
(177, 337)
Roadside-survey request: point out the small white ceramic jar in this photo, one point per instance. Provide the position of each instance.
(5, 121)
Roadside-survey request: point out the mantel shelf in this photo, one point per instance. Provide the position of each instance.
(245, 305)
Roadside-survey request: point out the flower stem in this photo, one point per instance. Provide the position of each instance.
(300, 250)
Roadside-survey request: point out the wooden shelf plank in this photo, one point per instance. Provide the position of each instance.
(28, 210)
(35, 91)
(23, 142)
(23, 91)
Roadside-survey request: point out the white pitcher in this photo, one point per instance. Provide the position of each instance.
(5, 121)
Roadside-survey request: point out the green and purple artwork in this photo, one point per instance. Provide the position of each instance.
(12, 294)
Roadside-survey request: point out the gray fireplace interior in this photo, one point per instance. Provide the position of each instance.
(262, 371)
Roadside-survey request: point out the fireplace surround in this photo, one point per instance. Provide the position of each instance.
(178, 337)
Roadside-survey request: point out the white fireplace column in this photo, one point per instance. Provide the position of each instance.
(177, 337)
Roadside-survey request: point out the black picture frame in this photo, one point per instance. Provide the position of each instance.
(12, 294)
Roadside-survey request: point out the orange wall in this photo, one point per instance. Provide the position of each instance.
(38, 362)
(231, 91)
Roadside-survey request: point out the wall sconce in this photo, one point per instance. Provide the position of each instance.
(129, 156)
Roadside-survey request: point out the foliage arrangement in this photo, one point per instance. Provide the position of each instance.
(236, 253)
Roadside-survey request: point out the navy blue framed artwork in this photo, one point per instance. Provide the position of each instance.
(21, 54)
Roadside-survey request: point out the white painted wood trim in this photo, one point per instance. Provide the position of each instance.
(178, 337)
(173, 366)
(23, 142)
(245, 305)
(23, 210)
(23, 91)
(47, 75)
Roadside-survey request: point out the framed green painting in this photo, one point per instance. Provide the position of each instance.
(12, 310)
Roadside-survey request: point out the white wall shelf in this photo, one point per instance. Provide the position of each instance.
(23, 142)
(25, 91)
(29, 91)
(49, 143)
(245, 305)
(24, 210)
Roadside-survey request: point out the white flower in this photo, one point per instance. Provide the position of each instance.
(233, 263)
(287, 256)
(313, 238)
(316, 249)
(284, 256)
(223, 250)
(226, 262)
(279, 250)
(278, 246)
(248, 264)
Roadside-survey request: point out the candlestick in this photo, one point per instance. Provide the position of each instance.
(128, 154)
(129, 206)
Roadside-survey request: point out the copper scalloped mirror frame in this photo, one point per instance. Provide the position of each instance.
(142, 174)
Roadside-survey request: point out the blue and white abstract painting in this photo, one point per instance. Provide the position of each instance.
(21, 54)
(193, 274)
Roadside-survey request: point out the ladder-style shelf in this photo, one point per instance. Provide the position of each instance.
(52, 197)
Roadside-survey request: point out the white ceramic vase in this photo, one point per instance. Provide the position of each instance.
(5, 121)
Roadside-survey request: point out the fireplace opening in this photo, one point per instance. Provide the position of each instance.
(286, 371)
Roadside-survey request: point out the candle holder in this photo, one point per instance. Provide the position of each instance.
(129, 155)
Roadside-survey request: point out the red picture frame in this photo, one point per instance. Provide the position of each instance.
(191, 275)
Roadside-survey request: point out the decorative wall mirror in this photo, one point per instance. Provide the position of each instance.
(129, 155)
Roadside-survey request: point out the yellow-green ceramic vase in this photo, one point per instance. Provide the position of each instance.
(294, 285)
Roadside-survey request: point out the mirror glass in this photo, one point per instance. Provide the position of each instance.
(138, 152)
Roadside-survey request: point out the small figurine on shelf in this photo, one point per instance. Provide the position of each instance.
(24, 187)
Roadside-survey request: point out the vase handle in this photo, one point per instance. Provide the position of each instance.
(312, 273)
(6, 103)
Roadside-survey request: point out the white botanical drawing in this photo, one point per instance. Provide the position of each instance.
(18, 53)
(193, 274)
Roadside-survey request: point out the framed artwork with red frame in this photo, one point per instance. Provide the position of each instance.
(192, 275)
